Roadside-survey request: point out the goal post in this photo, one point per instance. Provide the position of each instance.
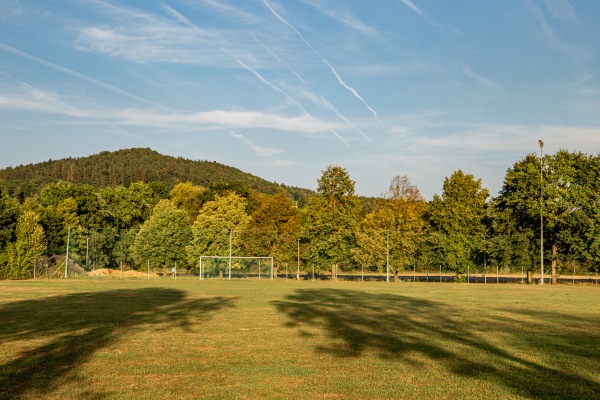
(244, 266)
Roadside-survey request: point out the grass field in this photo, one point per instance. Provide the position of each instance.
(190, 339)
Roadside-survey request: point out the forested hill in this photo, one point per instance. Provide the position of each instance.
(125, 166)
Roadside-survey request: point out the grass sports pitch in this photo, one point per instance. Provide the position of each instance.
(191, 339)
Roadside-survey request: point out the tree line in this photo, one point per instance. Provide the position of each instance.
(461, 230)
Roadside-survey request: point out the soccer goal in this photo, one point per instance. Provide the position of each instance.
(236, 267)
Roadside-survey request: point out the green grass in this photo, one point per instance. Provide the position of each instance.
(190, 339)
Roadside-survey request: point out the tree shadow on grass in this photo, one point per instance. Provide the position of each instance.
(71, 328)
(410, 330)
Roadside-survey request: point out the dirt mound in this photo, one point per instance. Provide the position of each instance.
(117, 273)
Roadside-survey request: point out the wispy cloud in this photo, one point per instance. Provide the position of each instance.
(143, 37)
(342, 16)
(178, 16)
(416, 9)
(258, 150)
(562, 10)
(576, 53)
(468, 71)
(218, 119)
(235, 13)
(76, 74)
(34, 100)
(420, 12)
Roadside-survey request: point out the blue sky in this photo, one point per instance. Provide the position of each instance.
(282, 89)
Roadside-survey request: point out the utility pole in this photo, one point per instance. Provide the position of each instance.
(67, 259)
(541, 210)
(387, 257)
(230, 247)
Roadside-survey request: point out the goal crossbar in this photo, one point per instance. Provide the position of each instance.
(230, 258)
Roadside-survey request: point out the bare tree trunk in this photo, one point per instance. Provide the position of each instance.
(554, 252)
(334, 272)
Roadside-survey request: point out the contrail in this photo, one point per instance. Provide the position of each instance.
(351, 89)
(330, 106)
(337, 135)
(337, 76)
(275, 56)
(181, 18)
(78, 75)
(266, 81)
(186, 21)
(178, 16)
(344, 118)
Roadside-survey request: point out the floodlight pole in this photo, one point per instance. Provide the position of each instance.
(230, 243)
(387, 257)
(541, 210)
(298, 274)
(67, 259)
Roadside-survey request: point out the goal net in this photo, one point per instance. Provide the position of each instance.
(235, 267)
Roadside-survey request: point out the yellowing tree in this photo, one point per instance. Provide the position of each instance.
(395, 226)
(186, 197)
(30, 244)
(273, 230)
(219, 223)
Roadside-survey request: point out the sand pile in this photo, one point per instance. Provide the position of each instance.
(117, 273)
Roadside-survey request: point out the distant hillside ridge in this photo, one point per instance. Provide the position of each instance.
(122, 167)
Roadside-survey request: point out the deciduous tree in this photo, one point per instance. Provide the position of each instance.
(219, 224)
(330, 219)
(396, 226)
(456, 222)
(29, 245)
(162, 239)
(273, 230)
(187, 197)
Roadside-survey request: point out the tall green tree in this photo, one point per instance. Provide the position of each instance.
(29, 245)
(566, 193)
(331, 218)
(9, 213)
(162, 239)
(218, 226)
(511, 246)
(456, 223)
(128, 207)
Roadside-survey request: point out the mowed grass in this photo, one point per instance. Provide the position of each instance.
(190, 339)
